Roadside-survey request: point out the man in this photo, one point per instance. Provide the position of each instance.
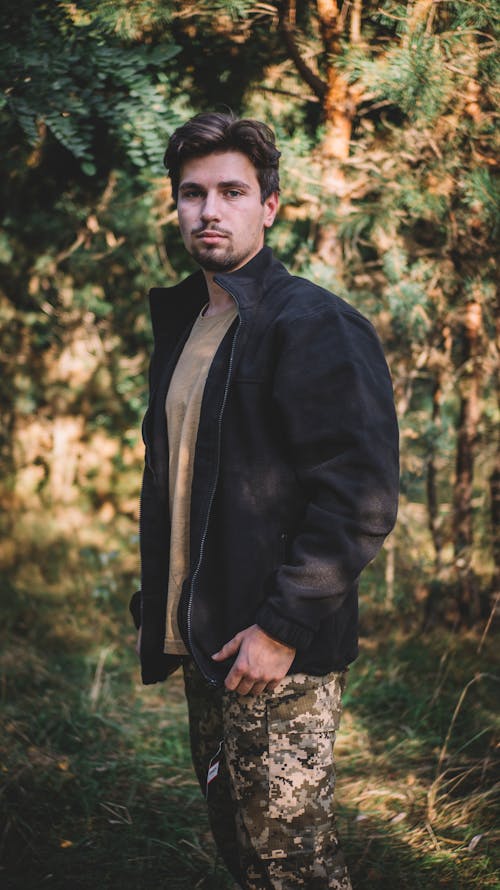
(270, 481)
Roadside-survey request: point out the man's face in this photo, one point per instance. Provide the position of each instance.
(221, 217)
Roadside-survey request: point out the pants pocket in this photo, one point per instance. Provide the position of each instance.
(301, 789)
(302, 723)
(279, 752)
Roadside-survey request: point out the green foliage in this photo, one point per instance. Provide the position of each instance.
(414, 78)
(481, 193)
(90, 94)
(130, 22)
(84, 125)
(96, 89)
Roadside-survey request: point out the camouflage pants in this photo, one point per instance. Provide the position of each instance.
(269, 761)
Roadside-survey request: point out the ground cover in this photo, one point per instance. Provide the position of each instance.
(97, 789)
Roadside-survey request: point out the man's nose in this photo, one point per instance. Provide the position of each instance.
(211, 208)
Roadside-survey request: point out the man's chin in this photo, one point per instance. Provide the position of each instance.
(213, 266)
(210, 262)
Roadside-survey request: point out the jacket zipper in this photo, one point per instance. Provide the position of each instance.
(212, 493)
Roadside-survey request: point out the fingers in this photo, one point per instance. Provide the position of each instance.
(228, 650)
(245, 682)
(261, 662)
(258, 688)
(249, 687)
(245, 685)
(237, 680)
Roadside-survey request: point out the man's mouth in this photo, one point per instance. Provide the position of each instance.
(211, 236)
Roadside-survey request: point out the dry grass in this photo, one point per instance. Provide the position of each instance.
(418, 767)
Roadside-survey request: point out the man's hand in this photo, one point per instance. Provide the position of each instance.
(261, 663)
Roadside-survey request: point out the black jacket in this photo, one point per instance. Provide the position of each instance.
(295, 474)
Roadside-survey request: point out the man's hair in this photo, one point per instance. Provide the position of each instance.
(211, 132)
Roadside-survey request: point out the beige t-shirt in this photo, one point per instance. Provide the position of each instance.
(182, 408)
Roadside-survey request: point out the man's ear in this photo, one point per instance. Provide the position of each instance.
(271, 205)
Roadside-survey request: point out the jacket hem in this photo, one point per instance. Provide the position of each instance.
(135, 608)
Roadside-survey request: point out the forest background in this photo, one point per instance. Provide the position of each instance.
(385, 116)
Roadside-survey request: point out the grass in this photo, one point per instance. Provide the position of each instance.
(97, 787)
(416, 759)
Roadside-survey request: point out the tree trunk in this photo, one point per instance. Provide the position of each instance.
(495, 523)
(338, 100)
(468, 593)
(419, 12)
(390, 570)
(495, 477)
(339, 108)
(356, 22)
(431, 485)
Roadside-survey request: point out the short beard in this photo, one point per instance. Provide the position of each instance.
(212, 264)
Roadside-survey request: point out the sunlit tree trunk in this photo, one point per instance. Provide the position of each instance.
(356, 21)
(339, 110)
(339, 105)
(420, 14)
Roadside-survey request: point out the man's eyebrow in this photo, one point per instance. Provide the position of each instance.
(234, 183)
(225, 184)
(190, 185)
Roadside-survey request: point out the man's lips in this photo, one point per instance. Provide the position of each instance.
(210, 235)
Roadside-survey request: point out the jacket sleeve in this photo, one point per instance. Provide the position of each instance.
(333, 395)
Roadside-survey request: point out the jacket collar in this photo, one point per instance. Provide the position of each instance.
(246, 285)
(185, 300)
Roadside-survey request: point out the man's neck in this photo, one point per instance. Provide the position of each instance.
(218, 299)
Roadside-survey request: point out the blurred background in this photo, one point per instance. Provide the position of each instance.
(386, 116)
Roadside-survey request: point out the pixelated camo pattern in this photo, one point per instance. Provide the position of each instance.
(271, 804)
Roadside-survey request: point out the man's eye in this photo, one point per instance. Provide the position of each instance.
(232, 193)
(191, 193)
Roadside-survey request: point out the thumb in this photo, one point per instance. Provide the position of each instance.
(228, 650)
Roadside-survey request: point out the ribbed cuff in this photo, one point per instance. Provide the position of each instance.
(282, 629)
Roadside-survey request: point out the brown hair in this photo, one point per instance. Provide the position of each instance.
(211, 132)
